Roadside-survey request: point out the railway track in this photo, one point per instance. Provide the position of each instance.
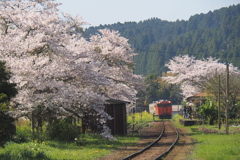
(166, 139)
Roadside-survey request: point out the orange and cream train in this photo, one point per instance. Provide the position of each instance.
(162, 109)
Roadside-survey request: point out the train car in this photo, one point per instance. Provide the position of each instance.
(163, 109)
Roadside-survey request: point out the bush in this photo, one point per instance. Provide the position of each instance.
(139, 118)
(7, 128)
(23, 134)
(24, 151)
(63, 130)
(209, 110)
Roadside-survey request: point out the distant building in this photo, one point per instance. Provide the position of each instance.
(197, 99)
(176, 108)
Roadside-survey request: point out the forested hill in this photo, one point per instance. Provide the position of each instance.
(215, 34)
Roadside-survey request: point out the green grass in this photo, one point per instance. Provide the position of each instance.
(94, 147)
(208, 146)
(213, 146)
(88, 146)
(216, 147)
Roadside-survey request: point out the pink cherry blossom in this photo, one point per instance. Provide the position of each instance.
(55, 67)
(192, 74)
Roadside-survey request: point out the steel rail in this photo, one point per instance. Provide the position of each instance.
(148, 146)
(171, 147)
(154, 142)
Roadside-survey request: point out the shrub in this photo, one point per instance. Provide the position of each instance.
(23, 134)
(63, 130)
(139, 118)
(209, 110)
(24, 151)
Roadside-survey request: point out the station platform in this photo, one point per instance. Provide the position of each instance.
(189, 122)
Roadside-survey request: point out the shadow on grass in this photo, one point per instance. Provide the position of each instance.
(63, 145)
(97, 143)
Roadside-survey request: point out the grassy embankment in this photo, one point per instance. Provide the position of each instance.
(214, 144)
(210, 146)
(88, 146)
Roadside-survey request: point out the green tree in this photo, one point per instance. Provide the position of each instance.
(7, 128)
(152, 88)
(6, 87)
(7, 91)
(212, 87)
(158, 89)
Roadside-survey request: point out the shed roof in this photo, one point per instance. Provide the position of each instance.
(115, 101)
(199, 96)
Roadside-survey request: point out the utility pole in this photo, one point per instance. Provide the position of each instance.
(227, 101)
(219, 120)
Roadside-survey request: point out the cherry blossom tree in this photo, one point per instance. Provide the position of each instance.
(58, 70)
(210, 76)
(193, 74)
(114, 60)
(196, 76)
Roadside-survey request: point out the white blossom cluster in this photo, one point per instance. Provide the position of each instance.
(55, 67)
(192, 74)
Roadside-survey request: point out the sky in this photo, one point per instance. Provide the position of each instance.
(97, 12)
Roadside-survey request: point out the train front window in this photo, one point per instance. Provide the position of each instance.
(163, 105)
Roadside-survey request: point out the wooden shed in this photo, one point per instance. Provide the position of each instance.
(117, 110)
